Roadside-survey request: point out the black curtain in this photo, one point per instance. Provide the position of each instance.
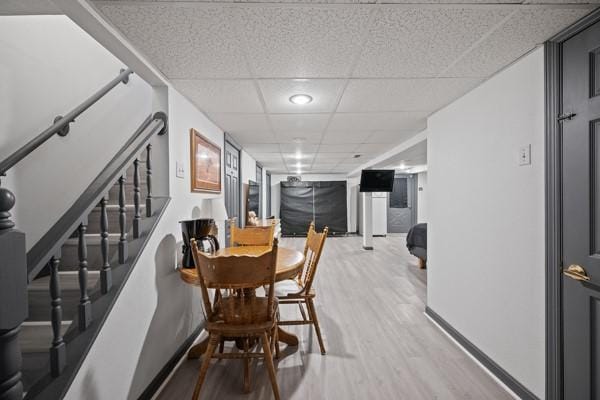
(296, 210)
(330, 206)
(323, 202)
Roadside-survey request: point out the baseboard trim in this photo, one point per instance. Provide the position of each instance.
(166, 370)
(497, 371)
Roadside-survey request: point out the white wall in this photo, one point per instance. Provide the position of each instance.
(48, 66)
(486, 219)
(422, 192)
(155, 311)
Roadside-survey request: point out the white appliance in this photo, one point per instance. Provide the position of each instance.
(380, 200)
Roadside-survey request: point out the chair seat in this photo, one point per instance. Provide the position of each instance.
(243, 312)
(290, 288)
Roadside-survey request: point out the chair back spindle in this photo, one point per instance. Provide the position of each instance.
(312, 252)
(234, 273)
(251, 236)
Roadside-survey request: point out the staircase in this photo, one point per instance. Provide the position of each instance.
(77, 268)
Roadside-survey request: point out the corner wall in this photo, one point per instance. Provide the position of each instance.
(422, 192)
(486, 219)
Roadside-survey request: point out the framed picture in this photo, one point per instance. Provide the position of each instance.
(205, 168)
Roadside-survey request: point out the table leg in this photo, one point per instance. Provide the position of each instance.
(288, 338)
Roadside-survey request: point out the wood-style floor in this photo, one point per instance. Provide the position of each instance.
(379, 343)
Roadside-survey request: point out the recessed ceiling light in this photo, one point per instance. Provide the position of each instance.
(299, 140)
(301, 99)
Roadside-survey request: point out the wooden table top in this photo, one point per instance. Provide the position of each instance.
(289, 261)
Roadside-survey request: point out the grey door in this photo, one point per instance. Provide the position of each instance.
(232, 184)
(581, 215)
(260, 189)
(268, 183)
(401, 213)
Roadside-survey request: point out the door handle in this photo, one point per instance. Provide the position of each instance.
(576, 272)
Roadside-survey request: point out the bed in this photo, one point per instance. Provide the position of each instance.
(416, 242)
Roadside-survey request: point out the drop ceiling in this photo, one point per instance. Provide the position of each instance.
(375, 71)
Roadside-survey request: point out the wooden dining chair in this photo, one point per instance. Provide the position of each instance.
(300, 290)
(251, 235)
(243, 315)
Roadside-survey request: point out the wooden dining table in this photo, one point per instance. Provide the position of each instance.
(289, 264)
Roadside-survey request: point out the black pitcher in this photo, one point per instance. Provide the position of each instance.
(199, 229)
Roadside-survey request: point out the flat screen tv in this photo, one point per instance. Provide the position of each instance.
(377, 180)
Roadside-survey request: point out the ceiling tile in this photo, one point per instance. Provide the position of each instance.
(302, 42)
(295, 137)
(329, 158)
(422, 42)
(244, 137)
(521, 33)
(321, 169)
(372, 148)
(236, 122)
(221, 95)
(277, 93)
(298, 124)
(262, 148)
(338, 148)
(302, 148)
(334, 137)
(380, 95)
(303, 157)
(184, 40)
(270, 157)
(390, 137)
(379, 121)
(448, 1)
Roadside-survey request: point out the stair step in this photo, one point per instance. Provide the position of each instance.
(112, 211)
(70, 254)
(69, 280)
(36, 336)
(39, 295)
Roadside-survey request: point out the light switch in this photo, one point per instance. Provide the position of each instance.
(179, 170)
(525, 155)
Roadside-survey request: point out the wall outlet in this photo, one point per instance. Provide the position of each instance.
(525, 155)
(179, 170)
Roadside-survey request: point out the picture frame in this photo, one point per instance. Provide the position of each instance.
(205, 164)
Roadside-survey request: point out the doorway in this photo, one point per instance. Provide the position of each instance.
(402, 204)
(259, 180)
(573, 212)
(232, 184)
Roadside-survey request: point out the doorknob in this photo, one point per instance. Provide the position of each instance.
(576, 272)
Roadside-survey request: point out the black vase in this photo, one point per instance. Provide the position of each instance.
(198, 229)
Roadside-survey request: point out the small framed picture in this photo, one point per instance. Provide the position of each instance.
(205, 166)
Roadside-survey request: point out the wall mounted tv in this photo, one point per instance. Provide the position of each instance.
(377, 180)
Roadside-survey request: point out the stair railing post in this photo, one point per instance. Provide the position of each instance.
(149, 180)
(106, 271)
(85, 305)
(122, 222)
(58, 350)
(13, 299)
(136, 199)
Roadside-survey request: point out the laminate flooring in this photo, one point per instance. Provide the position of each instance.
(380, 345)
